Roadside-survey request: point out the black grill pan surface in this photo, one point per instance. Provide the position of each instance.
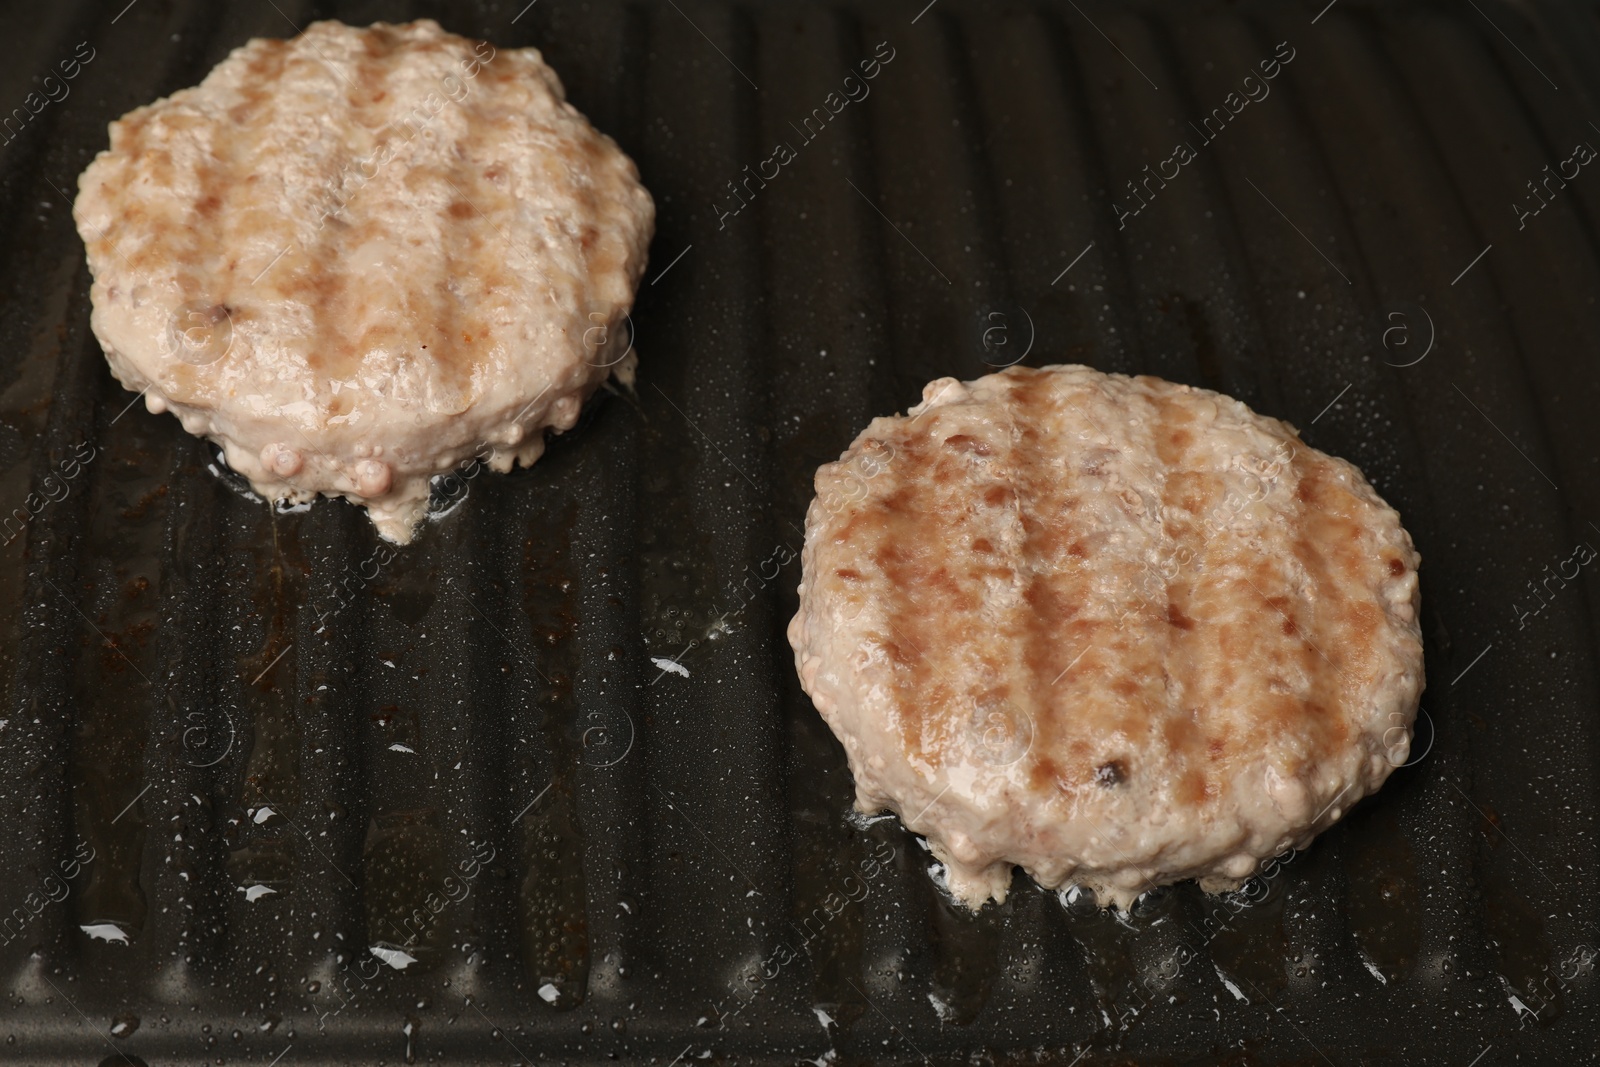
(242, 750)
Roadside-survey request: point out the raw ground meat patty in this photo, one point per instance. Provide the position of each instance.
(361, 258)
(1116, 631)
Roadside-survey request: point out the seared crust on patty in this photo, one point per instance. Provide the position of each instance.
(362, 257)
(1116, 631)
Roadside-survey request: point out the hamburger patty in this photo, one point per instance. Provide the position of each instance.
(1116, 631)
(360, 258)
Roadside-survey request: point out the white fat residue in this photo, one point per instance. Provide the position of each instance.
(1231, 987)
(671, 665)
(393, 957)
(1516, 1002)
(106, 932)
(822, 1017)
(549, 993)
(263, 814)
(253, 893)
(231, 480)
(397, 747)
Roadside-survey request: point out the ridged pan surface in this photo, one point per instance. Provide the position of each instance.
(554, 759)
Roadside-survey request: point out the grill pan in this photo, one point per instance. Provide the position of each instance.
(253, 761)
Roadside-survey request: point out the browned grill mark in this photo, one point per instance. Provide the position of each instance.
(966, 443)
(460, 242)
(1047, 611)
(893, 527)
(899, 653)
(1308, 485)
(1321, 512)
(1194, 788)
(1043, 772)
(378, 42)
(1184, 491)
(1181, 730)
(164, 242)
(1362, 621)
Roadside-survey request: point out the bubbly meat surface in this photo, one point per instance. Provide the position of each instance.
(1117, 631)
(362, 257)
